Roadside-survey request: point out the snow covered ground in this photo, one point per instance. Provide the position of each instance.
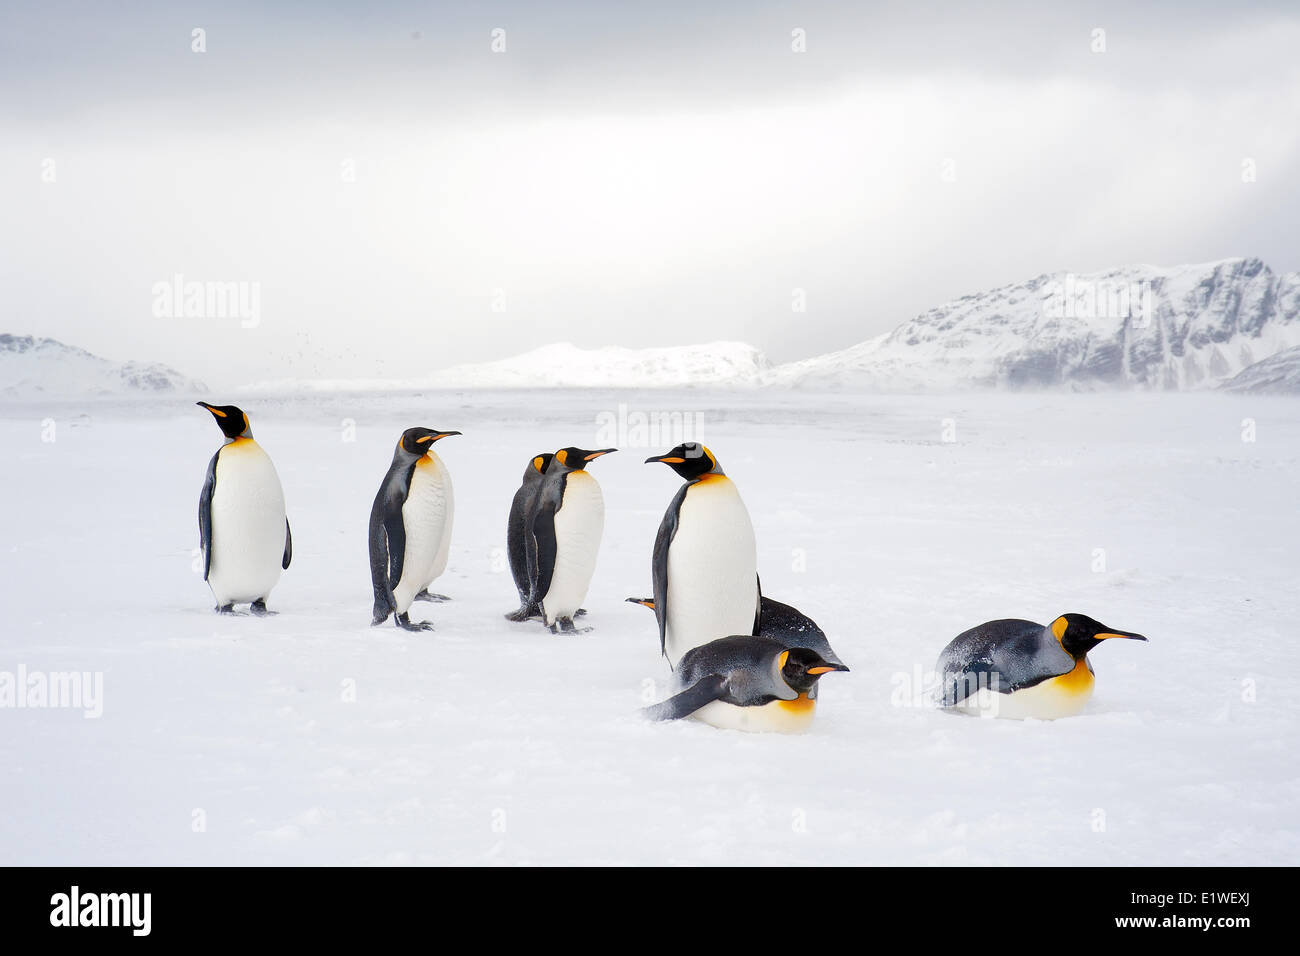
(232, 740)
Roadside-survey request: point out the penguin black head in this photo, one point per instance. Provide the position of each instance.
(576, 459)
(418, 441)
(231, 420)
(801, 668)
(691, 460)
(1079, 634)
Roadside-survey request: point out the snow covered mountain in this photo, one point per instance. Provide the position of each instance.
(40, 368)
(1277, 373)
(1137, 327)
(1233, 323)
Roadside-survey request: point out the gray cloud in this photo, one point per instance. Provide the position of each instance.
(657, 176)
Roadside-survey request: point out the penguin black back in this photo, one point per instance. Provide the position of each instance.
(518, 541)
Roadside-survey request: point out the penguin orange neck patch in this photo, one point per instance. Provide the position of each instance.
(1077, 681)
(800, 705)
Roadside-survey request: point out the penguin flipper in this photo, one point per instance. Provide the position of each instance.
(205, 514)
(381, 561)
(543, 534)
(704, 691)
(659, 564)
(977, 676)
(396, 533)
(288, 546)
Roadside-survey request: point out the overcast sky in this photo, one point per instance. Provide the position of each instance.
(405, 198)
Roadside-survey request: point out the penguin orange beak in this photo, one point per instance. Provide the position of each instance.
(666, 459)
(214, 411)
(644, 602)
(827, 669)
(593, 455)
(1128, 635)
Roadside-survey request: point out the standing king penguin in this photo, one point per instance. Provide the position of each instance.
(410, 527)
(243, 531)
(1018, 669)
(748, 683)
(565, 524)
(517, 538)
(705, 561)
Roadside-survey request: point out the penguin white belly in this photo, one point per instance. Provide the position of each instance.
(712, 569)
(440, 561)
(248, 527)
(426, 519)
(579, 524)
(777, 717)
(1056, 697)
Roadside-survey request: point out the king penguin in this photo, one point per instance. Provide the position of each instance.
(1019, 669)
(243, 531)
(705, 561)
(781, 622)
(410, 527)
(517, 538)
(565, 523)
(746, 683)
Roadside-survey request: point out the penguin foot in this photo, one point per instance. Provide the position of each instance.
(259, 608)
(435, 598)
(580, 612)
(565, 625)
(522, 614)
(404, 622)
(225, 608)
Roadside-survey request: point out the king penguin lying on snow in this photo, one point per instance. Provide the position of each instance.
(1018, 669)
(705, 562)
(410, 527)
(746, 683)
(243, 531)
(781, 622)
(566, 523)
